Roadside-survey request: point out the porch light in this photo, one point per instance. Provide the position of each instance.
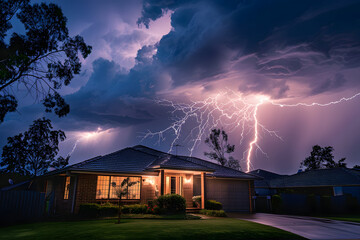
(188, 180)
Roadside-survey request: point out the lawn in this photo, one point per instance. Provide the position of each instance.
(226, 228)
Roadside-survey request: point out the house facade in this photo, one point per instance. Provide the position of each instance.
(153, 173)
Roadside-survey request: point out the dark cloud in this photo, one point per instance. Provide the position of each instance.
(288, 40)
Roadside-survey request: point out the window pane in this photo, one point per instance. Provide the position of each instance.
(67, 188)
(173, 185)
(134, 190)
(113, 190)
(102, 188)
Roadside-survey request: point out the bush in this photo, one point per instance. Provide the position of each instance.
(196, 201)
(276, 203)
(171, 203)
(213, 205)
(213, 213)
(89, 210)
(109, 210)
(134, 209)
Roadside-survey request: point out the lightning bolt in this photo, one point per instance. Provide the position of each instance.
(226, 109)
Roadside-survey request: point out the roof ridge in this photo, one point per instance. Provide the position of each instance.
(214, 164)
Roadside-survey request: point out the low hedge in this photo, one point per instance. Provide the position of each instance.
(213, 205)
(93, 210)
(213, 213)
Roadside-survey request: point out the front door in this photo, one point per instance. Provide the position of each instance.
(174, 185)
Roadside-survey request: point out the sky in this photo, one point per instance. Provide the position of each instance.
(266, 53)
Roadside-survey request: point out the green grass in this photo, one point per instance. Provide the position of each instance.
(146, 229)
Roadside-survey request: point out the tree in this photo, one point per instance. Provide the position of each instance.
(34, 151)
(122, 191)
(322, 158)
(42, 60)
(356, 167)
(218, 142)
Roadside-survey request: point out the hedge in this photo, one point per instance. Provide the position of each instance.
(93, 210)
(213, 213)
(171, 203)
(213, 205)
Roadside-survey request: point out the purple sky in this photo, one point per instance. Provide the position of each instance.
(188, 50)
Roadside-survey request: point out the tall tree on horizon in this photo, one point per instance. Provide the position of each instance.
(40, 61)
(321, 158)
(34, 151)
(218, 142)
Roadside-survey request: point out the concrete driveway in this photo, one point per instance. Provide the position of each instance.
(308, 227)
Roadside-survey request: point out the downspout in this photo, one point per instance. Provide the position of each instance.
(74, 195)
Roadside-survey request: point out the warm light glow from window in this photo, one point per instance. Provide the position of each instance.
(67, 188)
(105, 190)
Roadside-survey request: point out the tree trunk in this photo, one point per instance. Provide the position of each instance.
(119, 213)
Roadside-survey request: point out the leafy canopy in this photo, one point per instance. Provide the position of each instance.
(221, 149)
(40, 61)
(322, 158)
(34, 151)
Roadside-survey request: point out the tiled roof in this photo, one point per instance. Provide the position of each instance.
(140, 159)
(219, 171)
(266, 177)
(319, 177)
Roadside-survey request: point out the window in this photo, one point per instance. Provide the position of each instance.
(102, 188)
(173, 185)
(105, 190)
(67, 188)
(338, 191)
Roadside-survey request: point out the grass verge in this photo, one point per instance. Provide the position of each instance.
(146, 229)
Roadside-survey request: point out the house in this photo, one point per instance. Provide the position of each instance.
(155, 173)
(262, 186)
(309, 190)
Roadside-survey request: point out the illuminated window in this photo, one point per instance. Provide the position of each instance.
(67, 188)
(102, 188)
(105, 189)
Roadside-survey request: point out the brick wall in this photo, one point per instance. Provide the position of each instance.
(86, 190)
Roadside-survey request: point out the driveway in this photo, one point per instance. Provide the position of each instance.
(308, 227)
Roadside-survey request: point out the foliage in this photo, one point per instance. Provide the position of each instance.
(135, 209)
(121, 191)
(213, 205)
(171, 203)
(41, 60)
(322, 158)
(276, 203)
(218, 142)
(213, 213)
(356, 167)
(89, 210)
(34, 151)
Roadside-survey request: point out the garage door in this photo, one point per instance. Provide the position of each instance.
(233, 194)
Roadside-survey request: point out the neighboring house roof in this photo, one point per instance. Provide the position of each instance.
(319, 178)
(266, 177)
(140, 159)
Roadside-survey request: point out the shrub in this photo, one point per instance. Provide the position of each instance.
(109, 210)
(171, 203)
(276, 203)
(213, 205)
(134, 209)
(196, 201)
(213, 213)
(89, 210)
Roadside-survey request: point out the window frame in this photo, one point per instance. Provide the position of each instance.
(109, 188)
